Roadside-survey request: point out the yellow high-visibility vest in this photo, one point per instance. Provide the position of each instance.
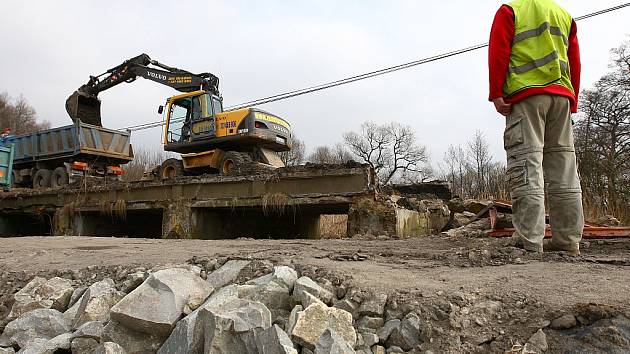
(540, 47)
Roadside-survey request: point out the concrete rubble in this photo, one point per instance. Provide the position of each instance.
(96, 302)
(39, 293)
(174, 310)
(274, 310)
(157, 304)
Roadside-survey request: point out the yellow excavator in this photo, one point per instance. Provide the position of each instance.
(209, 139)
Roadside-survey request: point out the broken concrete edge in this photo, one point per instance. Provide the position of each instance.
(295, 172)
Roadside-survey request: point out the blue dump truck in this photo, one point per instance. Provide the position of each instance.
(59, 156)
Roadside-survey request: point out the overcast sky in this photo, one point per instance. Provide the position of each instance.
(49, 48)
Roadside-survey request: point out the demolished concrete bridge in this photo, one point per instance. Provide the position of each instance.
(283, 203)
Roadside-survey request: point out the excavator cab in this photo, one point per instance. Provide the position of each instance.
(191, 117)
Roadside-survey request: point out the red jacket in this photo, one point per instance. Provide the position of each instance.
(500, 48)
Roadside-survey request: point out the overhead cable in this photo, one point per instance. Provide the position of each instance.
(311, 89)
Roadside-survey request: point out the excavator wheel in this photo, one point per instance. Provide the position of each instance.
(171, 168)
(232, 160)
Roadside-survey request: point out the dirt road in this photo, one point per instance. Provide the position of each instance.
(533, 288)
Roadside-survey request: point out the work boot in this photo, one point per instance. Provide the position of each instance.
(549, 246)
(517, 242)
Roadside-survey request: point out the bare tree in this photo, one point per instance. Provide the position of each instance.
(469, 169)
(336, 154)
(602, 139)
(455, 169)
(341, 153)
(371, 145)
(321, 155)
(391, 150)
(144, 160)
(19, 115)
(296, 155)
(480, 159)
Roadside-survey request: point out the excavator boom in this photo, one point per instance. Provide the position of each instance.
(85, 106)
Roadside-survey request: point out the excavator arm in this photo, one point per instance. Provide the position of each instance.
(85, 106)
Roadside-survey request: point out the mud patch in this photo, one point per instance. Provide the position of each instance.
(95, 248)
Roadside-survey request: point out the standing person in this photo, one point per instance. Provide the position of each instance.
(6, 132)
(534, 66)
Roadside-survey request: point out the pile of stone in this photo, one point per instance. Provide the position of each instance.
(183, 309)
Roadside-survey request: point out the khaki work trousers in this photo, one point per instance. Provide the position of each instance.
(538, 140)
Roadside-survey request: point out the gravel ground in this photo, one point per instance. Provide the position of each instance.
(474, 294)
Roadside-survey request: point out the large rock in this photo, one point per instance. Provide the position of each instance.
(470, 205)
(230, 329)
(274, 340)
(40, 293)
(133, 342)
(37, 324)
(37, 346)
(332, 343)
(92, 330)
(307, 285)
(273, 289)
(407, 334)
(369, 324)
(60, 343)
(187, 337)
(109, 348)
(71, 313)
(293, 318)
(311, 323)
(349, 305)
(133, 281)
(565, 321)
(83, 346)
(273, 295)
(373, 306)
(226, 274)
(377, 349)
(7, 351)
(155, 306)
(539, 341)
(76, 295)
(384, 332)
(281, 275)
(96, 302)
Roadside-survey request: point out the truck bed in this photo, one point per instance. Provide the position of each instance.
(79, 140)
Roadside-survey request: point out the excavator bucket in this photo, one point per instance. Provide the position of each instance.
(83, 107)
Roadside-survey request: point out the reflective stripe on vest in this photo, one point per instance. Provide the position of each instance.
(539, 55)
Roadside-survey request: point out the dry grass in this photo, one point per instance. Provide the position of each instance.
(276, 204)
(333, 226)
(593, 211)
(116, 210)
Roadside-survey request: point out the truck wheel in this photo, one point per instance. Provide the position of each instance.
(42, 179)
(59, 177)
(171, 168)
(232, 160)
